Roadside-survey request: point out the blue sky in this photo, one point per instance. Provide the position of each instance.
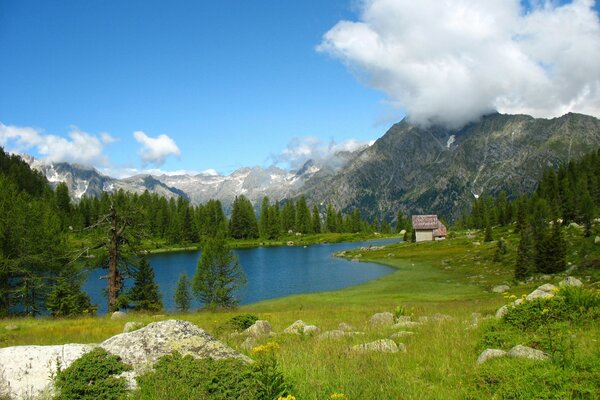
(229, 83)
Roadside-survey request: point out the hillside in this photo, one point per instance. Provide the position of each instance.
(436, 170)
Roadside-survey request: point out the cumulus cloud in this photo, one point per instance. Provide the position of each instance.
(301, 149)
(80, 147)
(449, 62)
(156, 150)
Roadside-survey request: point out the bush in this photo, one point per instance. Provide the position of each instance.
(238, 323)
(176, 377)
(92, 377)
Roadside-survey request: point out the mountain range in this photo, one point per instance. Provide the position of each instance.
(411, 168)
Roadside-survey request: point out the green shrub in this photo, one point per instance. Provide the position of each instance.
(176, 377)
(238, 323)
(92, 377)
(579, 298)
(268, 378)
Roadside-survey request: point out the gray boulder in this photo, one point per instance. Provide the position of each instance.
(27, 370)
(545, 291)
(597, 240)
(502, 311)
(488, 354)
(300, 327)
(143, 347)
(383, 318)
(132, 326)
(249, 343)
(520, 351)
(570, 281)
(259, 329)
(379, 346)
(11, 327)
(500, 288)
(117, 315)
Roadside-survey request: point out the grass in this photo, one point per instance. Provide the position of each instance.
(453, 277)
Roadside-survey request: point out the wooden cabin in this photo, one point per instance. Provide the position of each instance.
(428, 228)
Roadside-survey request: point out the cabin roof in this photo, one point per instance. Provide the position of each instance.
(425, 222)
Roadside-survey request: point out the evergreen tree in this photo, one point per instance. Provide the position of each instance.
(243, 224)
(316, 220)
(525, 254)
(551, 252)
(288, 217)
(330, 219)
(303, 222)
(183, 297)
(264, 217)
(218, 275)
(488, 231)
(355, 224)
(401, 222)
(339, 222)
(66, 299)
(145, 294)
(274, 222)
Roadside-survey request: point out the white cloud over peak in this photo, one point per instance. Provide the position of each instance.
(156, 150)
(80, 147)
(449, 62)
(301, 149)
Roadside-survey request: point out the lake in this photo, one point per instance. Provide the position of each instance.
(271, 272)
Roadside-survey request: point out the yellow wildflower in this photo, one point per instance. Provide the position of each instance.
(288, 397)
(556, 289)
(265, 348)
(524, 295)
(545, 311)
(512, 296)
(338, 396)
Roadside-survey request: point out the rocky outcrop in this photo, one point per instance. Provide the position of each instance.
(132, 326)
(27, 370)
(143, 347)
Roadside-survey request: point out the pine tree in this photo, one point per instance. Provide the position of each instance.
(218, 275)
(183, 297)
(145, 294)
(66, 299)
(274, 222)
(303, 222)
(330, 219)
(355, 224)
(263, 223)
(316, 220)
(401, 222)
(243, 224)
(525, 254)
(288, 217)
(551, 252)
(488, 231)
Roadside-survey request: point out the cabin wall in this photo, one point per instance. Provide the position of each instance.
(424, 235)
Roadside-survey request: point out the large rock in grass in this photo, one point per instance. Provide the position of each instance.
(143, 347)
(118, 315)
(500, 288)
(259, 329)
(520, 351)
(488, 354)
(502, 311)
(570, 281)
(381, 319)
(27, 370)
(301, 328)
(545, 291)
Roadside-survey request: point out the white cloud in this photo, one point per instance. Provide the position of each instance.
(156, 150)
(80, 147)
(301, 149)
(449, 62)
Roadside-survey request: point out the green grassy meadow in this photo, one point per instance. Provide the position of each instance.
(452, 277)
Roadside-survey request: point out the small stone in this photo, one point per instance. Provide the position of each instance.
(488, 354)
(520, 351)
(117, 315)
(574, 225)
(570, 281)
(334, 334)
(597, 240)
(547, 287)
(403, 318)
(500, 288)
(502, 311)
(132, 326)
(476, 244)
(380, 346)
(11, 327)
(259, 329)
(383, 318)
(440, 317)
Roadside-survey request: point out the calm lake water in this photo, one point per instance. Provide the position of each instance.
(271, 272)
